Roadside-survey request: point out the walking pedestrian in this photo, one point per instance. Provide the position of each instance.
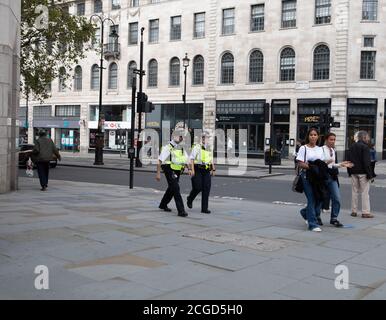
(373, 154)
(309, 156)
(331, 159)
(172, 160)
(44, 151)
(202, 170)
(361, 174)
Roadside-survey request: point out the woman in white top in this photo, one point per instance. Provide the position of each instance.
(310, 152)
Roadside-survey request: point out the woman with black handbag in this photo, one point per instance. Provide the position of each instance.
(310, 152)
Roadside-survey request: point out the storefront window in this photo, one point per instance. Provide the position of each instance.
(67, 139)
(362, 115)
(310, 114)
(243, 115)
(281, 121)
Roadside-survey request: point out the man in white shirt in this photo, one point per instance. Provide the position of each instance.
(330, 158)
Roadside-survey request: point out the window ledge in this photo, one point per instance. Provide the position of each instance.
(370, 21)
(254, 83)
(322, 24)
(132, 44)
(226, 84)
(150, 43)
(257, 31)
(175, 40)
(197, 85)
(228, 35)
(368, 80)
(286, 82)
(319, 81)
(289, 28)
(198, 38)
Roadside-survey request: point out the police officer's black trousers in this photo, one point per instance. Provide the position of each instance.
(173, 190)
(201, 182)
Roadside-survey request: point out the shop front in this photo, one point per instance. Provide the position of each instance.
(361, 115)
(116, 127)
(310, 114)
(166, 116)
(239, 115)
(281, 126)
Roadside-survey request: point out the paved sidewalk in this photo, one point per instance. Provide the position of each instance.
(107, 242)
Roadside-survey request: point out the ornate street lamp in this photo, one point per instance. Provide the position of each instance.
(185, 64)
(99, 141)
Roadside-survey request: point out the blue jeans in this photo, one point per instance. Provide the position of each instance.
(333, 189)
(313, 206)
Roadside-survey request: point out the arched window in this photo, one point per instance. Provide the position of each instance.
(113, 76)
(78, 78)
(95, 77)
(62, 80)
(130, 72)
(256, 66)
(198, 70)
(98, 6)
(174, 75)
(287, 65)
(153, 73)
(227, 68)
(321, 63)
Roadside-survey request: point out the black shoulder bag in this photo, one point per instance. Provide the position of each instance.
(297, 184)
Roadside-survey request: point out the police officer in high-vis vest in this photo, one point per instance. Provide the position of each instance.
(172, 160)
(202, 168)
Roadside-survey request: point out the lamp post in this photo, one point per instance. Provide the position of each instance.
(99, 143)
(185, 64)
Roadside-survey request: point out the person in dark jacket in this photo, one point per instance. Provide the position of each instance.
(361, 174)
(44, 151)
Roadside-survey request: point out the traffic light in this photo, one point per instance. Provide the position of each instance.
(143, 104)
(266, 112)
(149, 107)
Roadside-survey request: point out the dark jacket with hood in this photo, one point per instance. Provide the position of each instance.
(45, 149)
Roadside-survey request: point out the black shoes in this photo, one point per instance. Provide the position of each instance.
(182, 214)
(319, 221)
(206, 211)
(43, 188)
(189, 203)
(336, 223)
(165, 209)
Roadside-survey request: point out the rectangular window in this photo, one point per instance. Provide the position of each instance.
(112, 39)
(80, 8)
(199, 25)
(133, 33)
(153, 31)
(98, 6)
(134, 3)
(368, 42)
(257, 17)
(370, 10)
(322, 11)
(115, 4)
(288, 14)
(67, 111)
(228, 21)
(175, 28)
(368, 65)
(97, 40)
(42, 112)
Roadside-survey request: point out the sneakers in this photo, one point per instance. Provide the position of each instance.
(336, 223)
(367, 215)
(354, 214)
(317, 229)
(206, 211)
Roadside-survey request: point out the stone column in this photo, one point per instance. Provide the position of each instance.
(9, 92)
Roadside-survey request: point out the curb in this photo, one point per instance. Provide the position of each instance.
(152, 171)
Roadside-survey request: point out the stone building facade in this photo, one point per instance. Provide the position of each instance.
(9, 92)
(303, 57)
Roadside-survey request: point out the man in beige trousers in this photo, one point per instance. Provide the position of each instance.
(360, 174)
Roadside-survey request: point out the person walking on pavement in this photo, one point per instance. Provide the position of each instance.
(172, 160)
(44, 151)
(202, 169)
(373, 154)
(307, 153)
(361, 174)
(330, 157)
